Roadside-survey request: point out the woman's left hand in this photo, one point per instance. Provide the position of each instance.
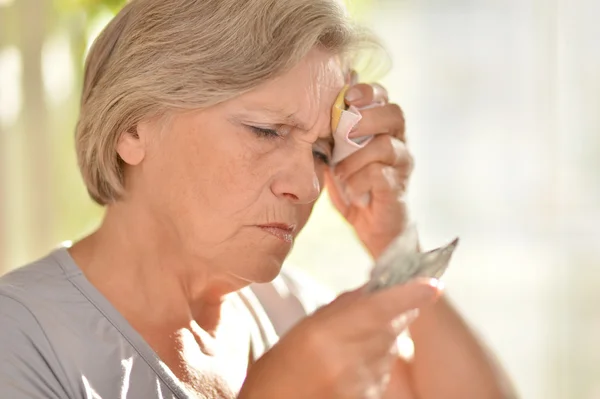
(381, 169)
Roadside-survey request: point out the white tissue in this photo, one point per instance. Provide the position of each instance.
(402, 260)
(344, 145)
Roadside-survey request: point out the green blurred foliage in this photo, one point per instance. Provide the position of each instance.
(92, 7)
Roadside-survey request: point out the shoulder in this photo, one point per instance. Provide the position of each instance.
(36, 291)
(37, 280)
(34, 317)
(57, 341)
(24, 291)
(28, 366)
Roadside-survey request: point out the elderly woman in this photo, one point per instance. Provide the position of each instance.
(205, 130)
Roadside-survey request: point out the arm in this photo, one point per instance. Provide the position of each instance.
(449, 361)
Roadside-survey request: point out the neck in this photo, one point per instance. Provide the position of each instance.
(135, 262)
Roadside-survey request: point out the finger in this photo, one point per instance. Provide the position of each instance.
(400, 384)
(401, 323)
(336, 196)
(349, 297)
(383, 343)
(387, 119)
(364, 379)
(382, 149)
(364, 94)
(377, 365)
(380, 381)
(386, 305)
(382, 180)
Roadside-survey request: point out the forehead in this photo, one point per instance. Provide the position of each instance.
(307, 91)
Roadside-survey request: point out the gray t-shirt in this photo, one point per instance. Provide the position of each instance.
(61, 338)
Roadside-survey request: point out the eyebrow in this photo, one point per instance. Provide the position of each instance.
(289, 118)
(281, 115)
(328, 140)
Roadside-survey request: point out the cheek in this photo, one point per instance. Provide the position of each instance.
(211, 170)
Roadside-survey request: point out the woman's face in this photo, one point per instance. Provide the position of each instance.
(233, 184)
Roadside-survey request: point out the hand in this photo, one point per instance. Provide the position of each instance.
(342, 351)
(382, 169)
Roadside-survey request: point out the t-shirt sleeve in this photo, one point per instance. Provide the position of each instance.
(26, 358)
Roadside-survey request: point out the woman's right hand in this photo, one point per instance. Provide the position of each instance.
(344, 350)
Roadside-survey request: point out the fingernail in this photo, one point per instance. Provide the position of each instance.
(353, 95)
(401, 322)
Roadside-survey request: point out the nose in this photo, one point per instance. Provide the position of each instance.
(297, 180)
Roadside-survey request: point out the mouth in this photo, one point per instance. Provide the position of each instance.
(284, 232)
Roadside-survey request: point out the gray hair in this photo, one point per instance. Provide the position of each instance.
(161, 55)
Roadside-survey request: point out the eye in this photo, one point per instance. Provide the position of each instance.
(322, 157)
(264, 132)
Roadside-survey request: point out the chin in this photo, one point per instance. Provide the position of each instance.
(262, 271)
(268, 271)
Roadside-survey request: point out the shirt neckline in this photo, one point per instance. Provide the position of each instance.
(75, 275)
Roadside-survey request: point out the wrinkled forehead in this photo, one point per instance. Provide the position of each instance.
(307, 92)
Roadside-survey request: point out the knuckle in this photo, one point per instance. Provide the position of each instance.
(391, 177)
(411, 162)
(386, 147)
(380, 89)
(332, 374)
(386, 140)
(398, 153)
(316, 338)
(395, 150)
(397, 114)
(406, 164)
(396, 110)
(375, 172)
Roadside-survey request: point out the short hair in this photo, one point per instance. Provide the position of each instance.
(161, 55)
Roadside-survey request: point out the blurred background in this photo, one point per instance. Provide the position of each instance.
(502, 99)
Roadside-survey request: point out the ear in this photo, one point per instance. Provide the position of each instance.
(131, 147)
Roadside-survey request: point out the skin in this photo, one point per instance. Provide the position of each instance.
(187, 234)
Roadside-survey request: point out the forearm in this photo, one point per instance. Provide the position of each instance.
(450, 362)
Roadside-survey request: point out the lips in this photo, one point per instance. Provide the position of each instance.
(285, 232)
